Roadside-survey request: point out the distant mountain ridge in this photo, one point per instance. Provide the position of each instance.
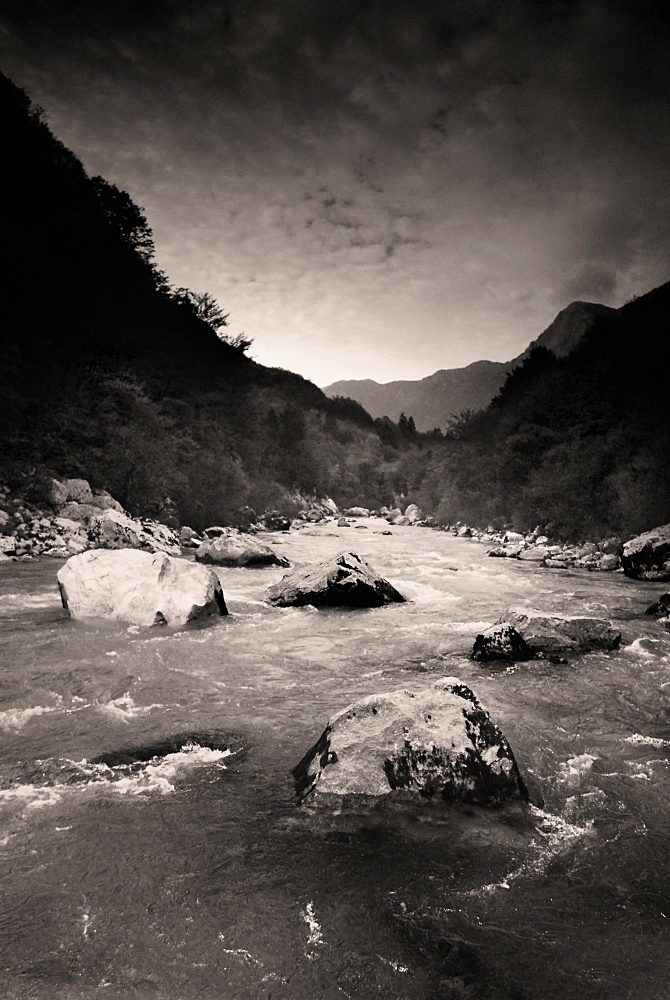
(432, 401)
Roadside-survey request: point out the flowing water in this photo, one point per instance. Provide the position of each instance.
(152, 846)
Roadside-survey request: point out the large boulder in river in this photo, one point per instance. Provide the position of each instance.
(112, 529)
(238, 550)
(346, 580)
(439, 742)
(142, 588)
(647, 557)
(518, 635)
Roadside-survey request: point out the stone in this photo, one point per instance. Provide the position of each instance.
(501, 642)
(513, 536)
(216, 530)
(343, 523)
(536, 553)
(142, 588)
(404, 746)
(238, 550)
(112, 529)
(541, 540)
(660, 607)
(188, 538)
(357, 512)
(554, 563)
(464, 532)
(611, 546)
(647, 556)
(57, 494)
(78, 490)
(589, 549)
(545, 633)
(607, 563)
(81, 512)
(345, 580)
(498, 552)
(4, 518)
(274, 521)
(413, 513)
(665, 622)
(331, 506)
(401, 520)
(392, 514)
(105, 501)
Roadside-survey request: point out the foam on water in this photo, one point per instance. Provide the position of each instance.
(157, 775)
(124, 708)
(22, 602)
(649, 741)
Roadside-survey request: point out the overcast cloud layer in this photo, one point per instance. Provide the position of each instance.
(374, 188)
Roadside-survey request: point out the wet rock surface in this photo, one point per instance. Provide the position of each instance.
(238, 550)
(520, 635)
(437, 743)
(647, 556)
(139, 587)
(345, 580)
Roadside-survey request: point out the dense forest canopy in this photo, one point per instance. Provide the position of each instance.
(112, 374)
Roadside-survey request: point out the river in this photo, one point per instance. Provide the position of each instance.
(152, 847)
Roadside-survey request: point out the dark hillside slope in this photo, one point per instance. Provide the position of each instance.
(579, 444)
(435, 400)
(109, 374)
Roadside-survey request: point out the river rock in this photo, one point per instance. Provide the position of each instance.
(513, 536)
(112, 529)
(536, 553)
(343, 523)
(357, 512)
(143, 588)
(238, 550)
(105, 501)
(464, 532)
(661, 608)
(439, 742)
(274, 521)
(78, 490)
(81, 512)
(57, 494)
(611, 546)
(501, 642)
(346, 580)
(413, 513)
(548, 634)
(647, 557)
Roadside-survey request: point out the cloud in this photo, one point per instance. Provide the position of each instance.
(353, 176)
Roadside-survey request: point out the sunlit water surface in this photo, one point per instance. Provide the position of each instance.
(194, 874)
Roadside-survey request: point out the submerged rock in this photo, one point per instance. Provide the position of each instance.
(661, 608)
(274, 521)
(439, 742)
(647, 557)
(345, 580)
(143, 588)
(238, 550)
(501, 642)
(543, 634)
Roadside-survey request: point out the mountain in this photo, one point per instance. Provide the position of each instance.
(433, 401)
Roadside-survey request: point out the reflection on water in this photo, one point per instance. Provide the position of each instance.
(191, 873)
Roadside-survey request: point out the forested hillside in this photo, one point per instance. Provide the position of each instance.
(579, 444)
(109, 374)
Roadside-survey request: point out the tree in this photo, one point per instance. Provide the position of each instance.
(126, 218)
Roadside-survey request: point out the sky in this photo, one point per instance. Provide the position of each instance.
(372, 188)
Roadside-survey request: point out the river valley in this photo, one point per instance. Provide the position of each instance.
(152, 846)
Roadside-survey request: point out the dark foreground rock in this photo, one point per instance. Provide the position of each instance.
(139, 587)
(647, 557)
(439, 742)
(238, 550)
(346, 580)
(521, 635)
(661, 608)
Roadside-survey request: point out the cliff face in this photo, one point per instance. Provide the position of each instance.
(433, 401)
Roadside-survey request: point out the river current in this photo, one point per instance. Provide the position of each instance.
(152, 847)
